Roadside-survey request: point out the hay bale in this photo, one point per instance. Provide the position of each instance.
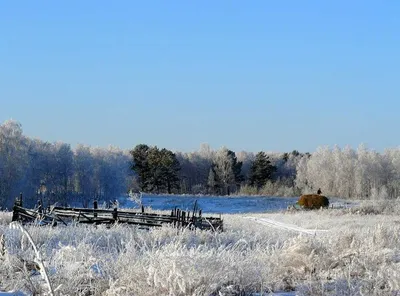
(313, 201)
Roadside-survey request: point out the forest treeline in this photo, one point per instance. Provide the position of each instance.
(204, 172)
(58, 173)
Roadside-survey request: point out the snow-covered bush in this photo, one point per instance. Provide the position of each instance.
(375, 207)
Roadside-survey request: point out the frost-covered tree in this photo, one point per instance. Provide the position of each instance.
(62, 174)
(35, 170)
(348, 173)
(286, 166)
(392, 158)
(246, 158)
(83, 174)
(195, 168)
(111, 169)
(226, 169)
(13, 157)
(119, 172)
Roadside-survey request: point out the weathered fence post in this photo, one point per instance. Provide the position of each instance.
(173, 214)
(40, 207)
(115, 214)
(183, 218)
(17, 203)
(95, 205)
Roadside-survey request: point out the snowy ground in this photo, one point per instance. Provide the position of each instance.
(353, 251)
(285, 226)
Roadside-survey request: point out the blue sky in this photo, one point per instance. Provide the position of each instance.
(250, 75)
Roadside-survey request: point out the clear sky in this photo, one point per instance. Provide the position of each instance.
(250, 75)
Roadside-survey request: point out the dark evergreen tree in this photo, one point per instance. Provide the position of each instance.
(154, 179)
(295, 153)
(157, 169)
(213, 184)
(236, 168)
(285, 157)
(261, 170)
(141, 165)
(170, 168)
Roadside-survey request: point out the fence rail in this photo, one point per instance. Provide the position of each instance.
(65, 215)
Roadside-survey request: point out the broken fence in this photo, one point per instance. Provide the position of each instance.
(65, 215)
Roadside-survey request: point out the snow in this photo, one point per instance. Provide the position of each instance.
(341, 251)
(285, 226)
(276, 294)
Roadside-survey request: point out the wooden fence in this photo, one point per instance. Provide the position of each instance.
(65, 215)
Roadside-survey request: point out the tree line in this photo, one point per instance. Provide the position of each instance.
(62, 174)
(56, 172)
(206, 172)
(351, 173)
(359, 173)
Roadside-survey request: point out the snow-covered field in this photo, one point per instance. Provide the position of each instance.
(353, 251)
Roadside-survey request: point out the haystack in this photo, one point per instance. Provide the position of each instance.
(313, 201)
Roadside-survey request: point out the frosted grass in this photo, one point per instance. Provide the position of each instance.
(359, 255)
(5, 218)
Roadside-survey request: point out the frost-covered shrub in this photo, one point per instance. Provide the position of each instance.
(199, 189)
(378, 207)
(248, 190)
(379, 193)
(313, 201)
(269, 189)
(285, 191)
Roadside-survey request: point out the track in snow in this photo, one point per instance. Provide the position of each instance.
(280, 225)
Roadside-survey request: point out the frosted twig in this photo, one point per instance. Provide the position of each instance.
(38, 259)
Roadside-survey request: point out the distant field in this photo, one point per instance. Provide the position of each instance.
(352, 251)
